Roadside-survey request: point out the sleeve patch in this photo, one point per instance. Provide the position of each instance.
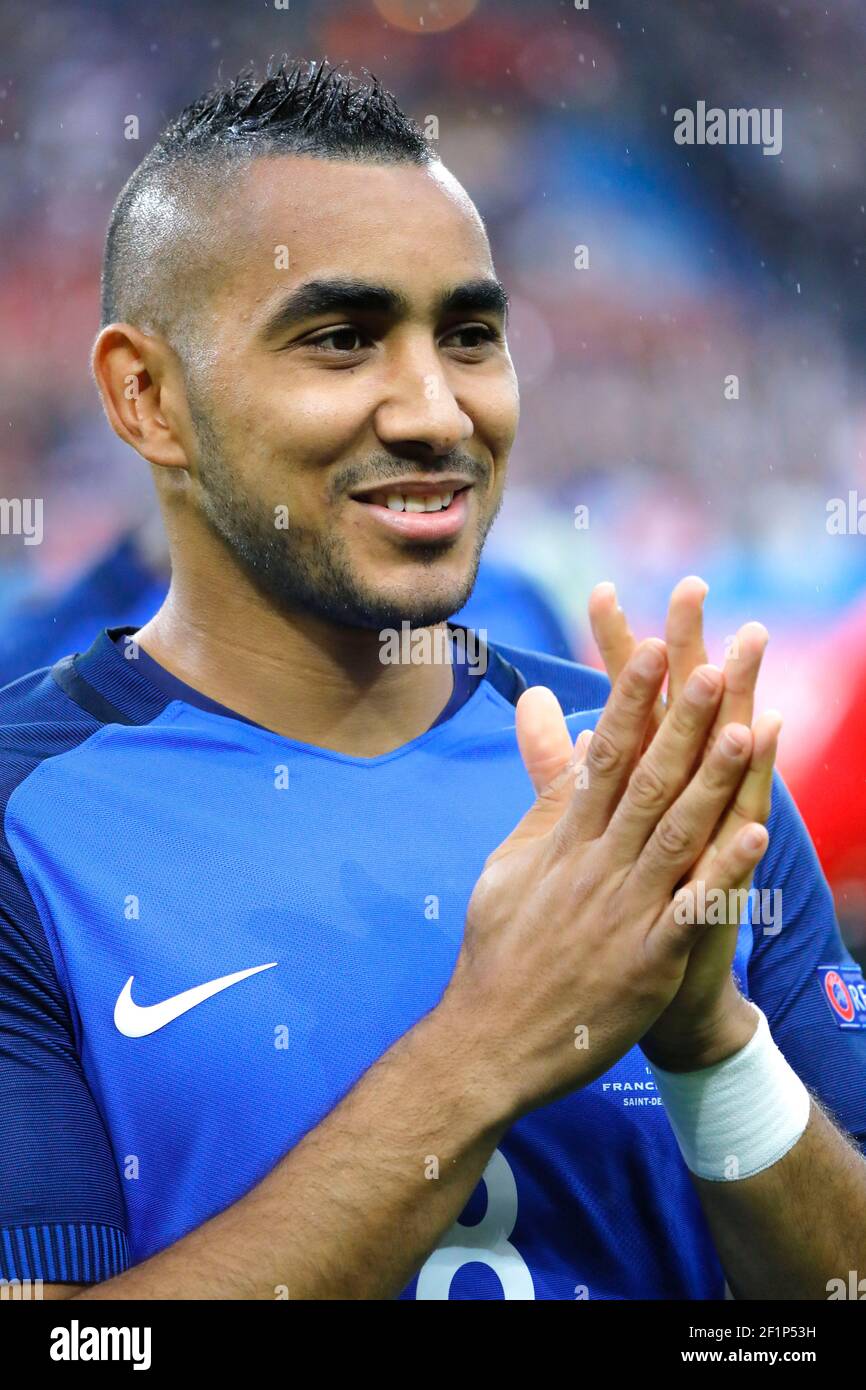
(844, 990)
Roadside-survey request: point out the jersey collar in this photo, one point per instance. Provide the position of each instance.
(108, 686)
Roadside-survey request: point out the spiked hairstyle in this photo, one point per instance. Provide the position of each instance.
(298, 108)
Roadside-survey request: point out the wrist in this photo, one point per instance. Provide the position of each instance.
(718, 1035)
(734, 1119)
(469, 1065)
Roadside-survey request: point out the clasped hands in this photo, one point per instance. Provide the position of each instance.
(572, 931)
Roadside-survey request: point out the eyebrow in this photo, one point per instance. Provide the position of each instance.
(346, 295)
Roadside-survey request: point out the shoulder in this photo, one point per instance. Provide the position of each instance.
(36, 699)
(38, 720)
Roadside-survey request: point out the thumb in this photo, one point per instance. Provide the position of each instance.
(550, 759)
(542, 736)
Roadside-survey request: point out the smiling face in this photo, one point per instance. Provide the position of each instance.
(366, 379)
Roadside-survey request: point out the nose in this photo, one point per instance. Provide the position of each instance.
(419, 408)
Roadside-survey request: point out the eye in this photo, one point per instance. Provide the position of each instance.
(482, 332)
(344, 339)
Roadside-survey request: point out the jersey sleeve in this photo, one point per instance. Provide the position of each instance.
(62, 1216)
(801, 974)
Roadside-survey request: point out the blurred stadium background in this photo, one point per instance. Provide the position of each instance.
(703, 262)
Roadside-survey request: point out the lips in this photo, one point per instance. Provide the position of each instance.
(416, 523)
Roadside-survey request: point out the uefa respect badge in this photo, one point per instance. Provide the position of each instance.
(844, 989)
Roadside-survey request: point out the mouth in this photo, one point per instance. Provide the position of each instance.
(419, 510)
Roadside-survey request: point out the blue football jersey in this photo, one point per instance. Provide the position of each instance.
(209, 932)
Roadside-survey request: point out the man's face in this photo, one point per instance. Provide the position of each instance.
(355, 369)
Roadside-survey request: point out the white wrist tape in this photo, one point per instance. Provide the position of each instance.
(739, 1116)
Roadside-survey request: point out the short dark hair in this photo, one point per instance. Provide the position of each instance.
(300, 107)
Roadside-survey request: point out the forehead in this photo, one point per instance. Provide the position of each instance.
(410, 226)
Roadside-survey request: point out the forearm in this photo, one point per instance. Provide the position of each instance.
(787, 1231)
(354, 1209)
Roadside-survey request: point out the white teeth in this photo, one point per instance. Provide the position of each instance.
(432, 502)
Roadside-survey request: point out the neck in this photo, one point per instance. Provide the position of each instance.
(304, 678)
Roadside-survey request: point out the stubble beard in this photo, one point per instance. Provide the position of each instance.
(300, 571)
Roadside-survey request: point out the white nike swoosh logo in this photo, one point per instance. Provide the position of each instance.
(137, 1021)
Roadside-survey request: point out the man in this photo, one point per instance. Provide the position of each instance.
(303, 995)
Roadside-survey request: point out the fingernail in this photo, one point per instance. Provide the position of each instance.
(703, 583)
(754, 837)
(733, 741)
(703, 684)
(606, 588)
(649, 661)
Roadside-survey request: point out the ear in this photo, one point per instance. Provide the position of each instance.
(143, 394)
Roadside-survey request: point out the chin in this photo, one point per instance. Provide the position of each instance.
(420, 605)
(416, 612)
(428, 596)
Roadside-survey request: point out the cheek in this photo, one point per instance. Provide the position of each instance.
(276, 431)
(313, 428)
(496, 415)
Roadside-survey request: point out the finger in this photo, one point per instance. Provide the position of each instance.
(685, 829)
(616, 743)
(685, 922)
(742, 667)
(665, 768)
(754, 795)
(553, 797)
(616, 641)
(684, 632)
(613, 636)
(542, 735)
